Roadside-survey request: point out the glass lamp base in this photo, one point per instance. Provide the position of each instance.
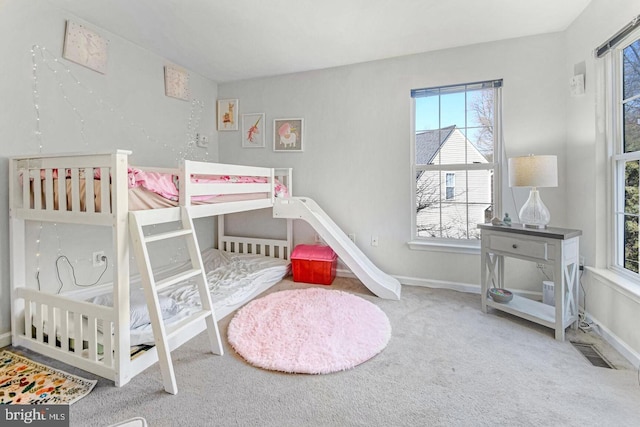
(534, 214)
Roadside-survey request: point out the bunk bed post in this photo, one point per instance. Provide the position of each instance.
(17, 270)
(183, 194)
(220, 236)
(120, 212)
(289, 220)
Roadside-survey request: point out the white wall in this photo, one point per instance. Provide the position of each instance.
(356, 161)
(616, 310)
(133, 86)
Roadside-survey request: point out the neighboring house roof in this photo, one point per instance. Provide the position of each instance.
(428, 143)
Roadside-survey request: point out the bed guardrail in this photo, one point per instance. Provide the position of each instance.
(75, 332)
(252, 246)
(67, 188)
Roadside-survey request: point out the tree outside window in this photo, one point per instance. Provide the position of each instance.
(628, 218)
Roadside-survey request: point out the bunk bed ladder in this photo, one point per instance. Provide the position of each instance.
(163, 335)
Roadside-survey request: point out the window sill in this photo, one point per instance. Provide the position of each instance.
(624, 285)
(452, 247)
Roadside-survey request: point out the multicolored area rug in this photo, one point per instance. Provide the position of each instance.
(25, 382)
(309, 331)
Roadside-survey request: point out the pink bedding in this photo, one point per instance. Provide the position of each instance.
(149, 190)
(166, 184)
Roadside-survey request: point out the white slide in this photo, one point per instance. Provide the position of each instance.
(308, 210)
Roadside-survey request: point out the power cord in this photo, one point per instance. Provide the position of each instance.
(73, 273)
(583, 324)
(541, 268)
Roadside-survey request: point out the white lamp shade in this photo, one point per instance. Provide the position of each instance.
(533, 171)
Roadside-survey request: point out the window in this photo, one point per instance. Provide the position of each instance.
(450, 182)
(625, 135)
(455, 159)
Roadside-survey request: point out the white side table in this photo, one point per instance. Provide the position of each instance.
(559, 248)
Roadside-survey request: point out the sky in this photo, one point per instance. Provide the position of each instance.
(430, 115)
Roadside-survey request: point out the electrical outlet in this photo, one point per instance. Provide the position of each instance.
(352, 237)
(98, 259)
(202, 140)
(581, 262)
(374, 240)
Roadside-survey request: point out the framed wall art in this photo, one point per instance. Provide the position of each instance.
(288, 134)
(227, 114)
(85, 47)
(176, 82)
(253, 130)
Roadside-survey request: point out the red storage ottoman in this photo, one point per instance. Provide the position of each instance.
(314, 264)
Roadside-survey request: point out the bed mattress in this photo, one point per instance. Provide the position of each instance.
(233, 279)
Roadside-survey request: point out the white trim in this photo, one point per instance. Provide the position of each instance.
(619, 345)
(496, 167)
(5, 339)
(617, 282)
(614, 99)
(440, 284)
(461, 247)
(469, 288)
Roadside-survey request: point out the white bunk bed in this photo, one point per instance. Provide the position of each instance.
(92, 200)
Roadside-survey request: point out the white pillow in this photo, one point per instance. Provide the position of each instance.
(139, 314)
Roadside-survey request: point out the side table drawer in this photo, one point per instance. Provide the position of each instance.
(527, 248)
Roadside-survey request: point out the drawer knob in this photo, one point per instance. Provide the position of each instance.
(514, 246)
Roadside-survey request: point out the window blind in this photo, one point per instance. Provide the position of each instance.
(440, 90)
(613, 41)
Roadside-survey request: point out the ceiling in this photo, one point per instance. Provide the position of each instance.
(243, 39)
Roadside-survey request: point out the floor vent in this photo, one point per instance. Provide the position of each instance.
(592, 355)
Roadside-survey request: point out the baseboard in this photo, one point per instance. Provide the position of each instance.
(614, 341)
(470, 288)
(345, 273)
(5, 339)
(427, 283)
(439, 284)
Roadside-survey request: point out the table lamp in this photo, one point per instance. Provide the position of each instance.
(534, 171)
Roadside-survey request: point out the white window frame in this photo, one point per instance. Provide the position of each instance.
(467, 246)
(618, 158)
(450, 184)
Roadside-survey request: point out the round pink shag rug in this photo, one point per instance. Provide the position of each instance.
(309, 331)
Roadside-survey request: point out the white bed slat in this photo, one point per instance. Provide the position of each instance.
(51, 325)
(105, 190)
(203, 189)
(207, 168)
(48, 189)
(90, 201)
(64, 329)
(37, 191)
(92, 337)
(75, 190)
(107, 343)
(39, 323)
(77, 333)
(62, 190)
(83, 307)
(70, 161)
(26, 188)
(28, 318)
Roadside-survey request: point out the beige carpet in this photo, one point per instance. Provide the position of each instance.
(446, 364)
